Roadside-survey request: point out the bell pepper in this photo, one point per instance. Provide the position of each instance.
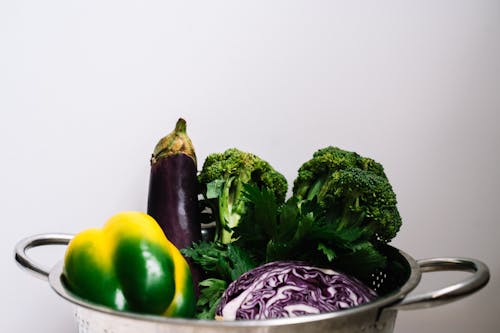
(130, 265)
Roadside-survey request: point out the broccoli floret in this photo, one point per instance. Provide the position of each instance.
(362, 197)
(352, 190)
(222, 178)
(313, 173)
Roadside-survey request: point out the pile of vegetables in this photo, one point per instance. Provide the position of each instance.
(341, 212)
(266, 255)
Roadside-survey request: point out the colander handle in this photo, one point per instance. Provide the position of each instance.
(27, 243)
(451, 293)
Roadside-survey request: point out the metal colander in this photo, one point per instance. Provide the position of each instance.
(393, 285)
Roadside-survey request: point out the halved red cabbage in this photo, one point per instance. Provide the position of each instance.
(288, 289)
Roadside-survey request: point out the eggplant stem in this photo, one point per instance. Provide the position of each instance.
(176, 142)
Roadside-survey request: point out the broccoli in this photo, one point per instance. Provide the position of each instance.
(358, 196)
(222, 178)
(352, 190)
(315, 172)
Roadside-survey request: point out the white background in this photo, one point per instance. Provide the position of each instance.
(88, 87)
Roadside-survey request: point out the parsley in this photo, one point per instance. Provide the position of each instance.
(221, 264)
(303, 230)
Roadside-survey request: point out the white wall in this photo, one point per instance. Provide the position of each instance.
(88, 87)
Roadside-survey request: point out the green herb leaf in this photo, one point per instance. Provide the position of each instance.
(210, 294)
(288, 217)
(327, 251)
(264, 207)
(259, 224)
(362, 260)
(225, 262)
(241, 262)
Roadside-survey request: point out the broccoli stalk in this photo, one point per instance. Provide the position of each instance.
(222, 178)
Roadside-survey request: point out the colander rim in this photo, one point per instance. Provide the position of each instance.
(392, 298)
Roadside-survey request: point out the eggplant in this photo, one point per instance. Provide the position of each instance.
(173, 192)
(173, 188)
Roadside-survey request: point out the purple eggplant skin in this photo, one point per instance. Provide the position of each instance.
(173, 199)
(173, 191)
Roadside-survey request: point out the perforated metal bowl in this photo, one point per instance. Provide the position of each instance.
(393, 285)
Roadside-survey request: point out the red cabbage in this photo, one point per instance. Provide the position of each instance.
(290, 288)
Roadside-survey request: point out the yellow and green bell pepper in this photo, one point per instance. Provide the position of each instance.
(130, 265)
